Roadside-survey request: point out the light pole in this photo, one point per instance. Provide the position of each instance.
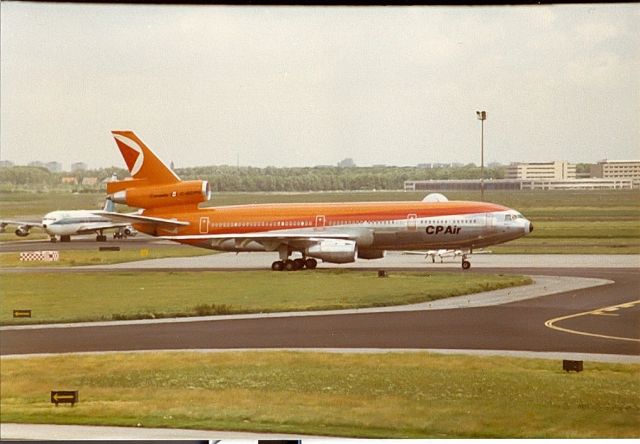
(482, 116)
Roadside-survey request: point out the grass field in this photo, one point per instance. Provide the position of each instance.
(586, 217)
(129, 295)
(95, 257)
(395, 395)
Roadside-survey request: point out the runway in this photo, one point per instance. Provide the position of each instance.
(602, 320)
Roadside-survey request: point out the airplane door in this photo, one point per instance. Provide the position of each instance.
(320, 222)
(204, 225)
(490, 221)
(411, 222)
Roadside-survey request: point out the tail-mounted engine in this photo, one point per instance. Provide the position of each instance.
(154, 196)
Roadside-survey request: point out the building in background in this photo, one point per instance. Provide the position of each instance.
(519, 184)
(54, 167)
(78, 166)
(70, 180)
(89, 181)
(618, 169)
(346, 163)
(556, 170)
(6, 164)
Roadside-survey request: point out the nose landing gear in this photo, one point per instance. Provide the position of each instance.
(465, 263)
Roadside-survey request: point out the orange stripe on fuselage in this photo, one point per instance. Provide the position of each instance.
(349, 212)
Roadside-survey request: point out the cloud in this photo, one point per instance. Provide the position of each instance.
(292, 86)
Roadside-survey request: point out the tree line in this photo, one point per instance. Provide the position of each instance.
(230, 178)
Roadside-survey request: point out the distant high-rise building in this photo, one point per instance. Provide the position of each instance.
(346, 163)
(54, 167)
(78, 166)
(557, 170)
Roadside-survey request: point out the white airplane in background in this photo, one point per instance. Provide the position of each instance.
(443, 253)
(63, 224)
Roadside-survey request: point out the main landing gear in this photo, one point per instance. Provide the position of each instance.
(287, 264)
(295, 264)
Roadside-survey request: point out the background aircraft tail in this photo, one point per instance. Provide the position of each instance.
(109, 206)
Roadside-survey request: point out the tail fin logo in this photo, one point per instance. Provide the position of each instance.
(131, 152)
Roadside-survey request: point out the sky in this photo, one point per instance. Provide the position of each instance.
(305, 86)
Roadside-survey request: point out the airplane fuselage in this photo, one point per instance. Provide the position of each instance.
(66, 223)
(373, 225)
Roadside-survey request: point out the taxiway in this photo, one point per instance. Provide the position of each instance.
(601, 320)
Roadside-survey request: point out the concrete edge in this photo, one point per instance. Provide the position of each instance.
(542, 286)
(112, 433)
(593, 357)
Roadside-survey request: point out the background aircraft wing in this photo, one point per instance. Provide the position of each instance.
(107, 226)
(140, 219)
(4, 223)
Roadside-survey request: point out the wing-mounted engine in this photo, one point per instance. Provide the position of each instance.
(190, 192)
(124, 232)
(337, 251)
(22, 231)
(129, 231)
(370, 254)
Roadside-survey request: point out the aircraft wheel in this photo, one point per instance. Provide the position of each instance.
(277, 266)
(65, 238)
(311, 263)
(101, 238)
(290, 265)
(466, 265)
(298, 263)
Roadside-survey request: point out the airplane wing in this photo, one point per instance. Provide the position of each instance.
(418, 253)
(4, 223)
(95, 229)
(271, 240)
(131, 218)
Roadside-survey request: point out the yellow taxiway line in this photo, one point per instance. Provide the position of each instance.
(606, 311)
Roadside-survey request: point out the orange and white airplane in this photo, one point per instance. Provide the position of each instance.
(332, 232)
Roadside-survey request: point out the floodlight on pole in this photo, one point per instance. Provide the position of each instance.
(482, 116)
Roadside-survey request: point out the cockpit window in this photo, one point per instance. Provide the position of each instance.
(513, 216)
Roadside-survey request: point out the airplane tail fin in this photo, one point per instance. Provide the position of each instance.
(142, 163)
(153, 184)
(109, 206)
